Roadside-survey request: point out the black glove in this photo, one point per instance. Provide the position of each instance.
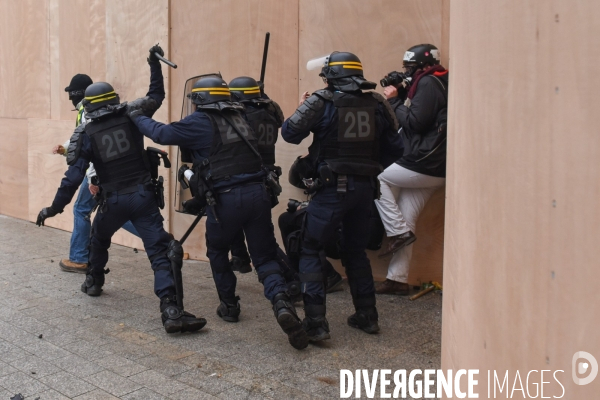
(46, 212)
(135, 113)
(155, 49)
(194, 206)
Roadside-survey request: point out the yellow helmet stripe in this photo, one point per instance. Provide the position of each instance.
(221, 93)
(103, 99)
(346, 63)
(244, 88)
(251, 91)
(352, 67)
(100, 95)
(209, 88)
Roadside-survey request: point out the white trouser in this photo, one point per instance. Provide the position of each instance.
(404, 193)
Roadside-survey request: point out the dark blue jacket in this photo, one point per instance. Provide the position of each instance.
(76, 172)
(391, 146)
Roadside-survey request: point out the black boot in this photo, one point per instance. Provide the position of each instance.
(288, 320)
(241, 265)
(365, 319)
(175, 320)
(229, 309)
(315, 324)
(93, 283)
(366, 316)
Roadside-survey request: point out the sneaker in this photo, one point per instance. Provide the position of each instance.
(397, 242)
(70, 266)
(392, 287)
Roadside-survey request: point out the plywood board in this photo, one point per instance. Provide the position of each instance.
(25, 71)
(234, 46)
(522, 215)
(13, 170)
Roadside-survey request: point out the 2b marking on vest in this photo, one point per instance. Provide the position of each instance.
(120, 138)
(266, 134)
(356, 124)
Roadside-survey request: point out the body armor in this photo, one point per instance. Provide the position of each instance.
(354, 149)
(229, 154)
(266, 127)
(118, 160)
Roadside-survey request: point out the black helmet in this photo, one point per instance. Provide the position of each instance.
(210, 89)
(341, 64)
(98, 95)
(244, 88)
(421, 54)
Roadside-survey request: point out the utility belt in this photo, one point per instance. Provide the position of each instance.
(327, 177)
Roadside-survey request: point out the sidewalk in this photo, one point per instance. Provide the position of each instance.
(58, 343)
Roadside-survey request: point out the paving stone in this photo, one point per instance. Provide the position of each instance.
(192, 393)
(121, 365)
(11, 352)
(113, 383)
(96, 394)
(78, 366)
(143, 394)
(20, 382)
(159, 383)
(49, 395)
(67, 384)
(35, 366)
(211, 384)
(162, 366)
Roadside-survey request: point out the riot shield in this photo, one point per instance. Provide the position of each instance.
(183, 155)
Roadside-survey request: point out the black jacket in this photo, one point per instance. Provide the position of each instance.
(424, 144)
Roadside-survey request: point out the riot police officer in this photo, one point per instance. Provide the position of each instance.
(232, 182)
(115, 146)
(264, 117)
(351, 128)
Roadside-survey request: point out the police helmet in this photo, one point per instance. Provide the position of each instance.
(244, 88)
(420, 55)
(341, 64)
(210, 89)
(98, 95)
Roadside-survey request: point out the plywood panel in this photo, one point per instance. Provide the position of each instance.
(13, 171)
(522, 216)
(25, 68)
(379, 38)
(234, 46)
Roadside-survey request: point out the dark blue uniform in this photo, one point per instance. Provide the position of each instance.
(139, 206)
(329, 208)
(243, 205)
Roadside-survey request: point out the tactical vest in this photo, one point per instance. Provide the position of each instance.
(266, 127)
(229, 154)
(118, 161)
(354, 148)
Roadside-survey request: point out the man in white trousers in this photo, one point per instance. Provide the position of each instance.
(420, 104)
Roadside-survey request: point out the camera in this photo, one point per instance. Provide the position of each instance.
(395, 78)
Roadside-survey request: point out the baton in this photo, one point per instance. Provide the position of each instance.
(161, 58)
(264, 60)
(191, 228)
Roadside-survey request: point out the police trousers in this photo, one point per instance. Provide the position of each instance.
(141, 209)
(244, 208)
(325, 212)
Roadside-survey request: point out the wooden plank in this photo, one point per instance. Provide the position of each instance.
(13, 171)
(25, 72)
(522, 216)
(234, 46)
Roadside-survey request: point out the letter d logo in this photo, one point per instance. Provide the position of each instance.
(583, 367)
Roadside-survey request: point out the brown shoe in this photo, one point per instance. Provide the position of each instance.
(392, 287)
(70, 266)
(397, 242)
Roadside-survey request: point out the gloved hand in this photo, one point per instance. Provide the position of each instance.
(46, 212)
(134, 114)
(155, 49)
(194, 206)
